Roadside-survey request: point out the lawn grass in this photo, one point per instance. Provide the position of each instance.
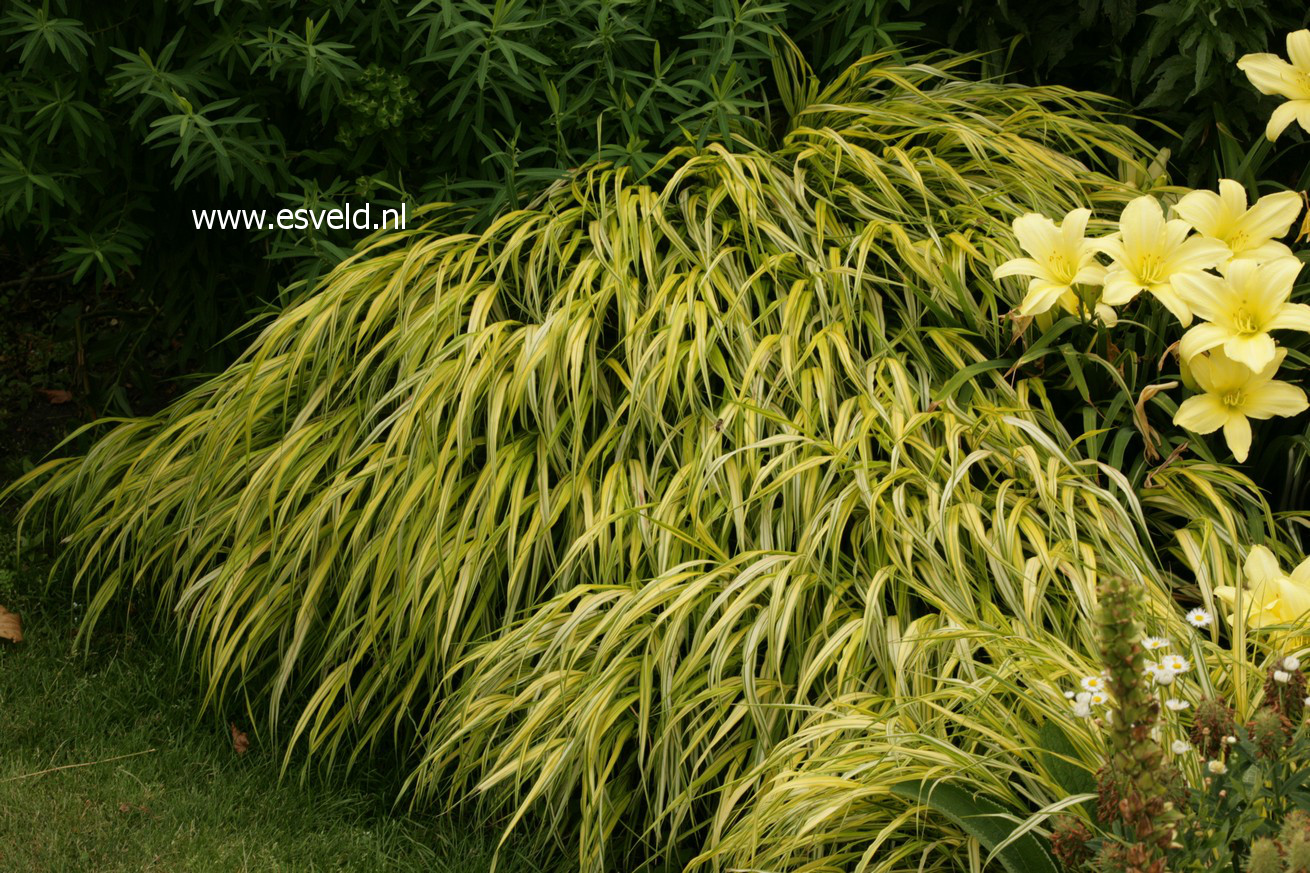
(146, 786)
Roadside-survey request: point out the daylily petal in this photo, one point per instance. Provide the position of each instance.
(1272, 215)
(1198, 253)
(1042, 295)
(1206, 294)
(1198, 370)
(1270, 74)
(1141, 224)
(1294, 599)
(1291, 316)
(1090, 274)
(1275, 398)
(1070, 302)
(1120, 287)
(1202, 338)
(1239, 274)
(1227, 375)
(1271, 614)
(1255, 380)
(1173, 302)
(1113, 246)
(1298, 49)
(1204, 210)
(1233, 194)
(1302, 572)
(1226, 593)
(1269, 250)
(1237, 433)
(1201, 413)
(1074, 226)
(1020, 267)
(1284, 115)
(1175, 231)
(1037, 235)
(1255, 351)
(1261, 566)
(1107, 315)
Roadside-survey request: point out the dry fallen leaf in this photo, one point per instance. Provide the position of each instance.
(240, 741)
(56, 395)
(11, 627)
(1149, 437)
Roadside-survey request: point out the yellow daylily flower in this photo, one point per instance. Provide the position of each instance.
(1269, 596)
(1248, 233)
(1233, 394)
(1242, 307)
(1270, 74)
(1060, 256)
(1149, 253)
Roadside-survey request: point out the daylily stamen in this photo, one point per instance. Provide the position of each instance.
(1244, 322)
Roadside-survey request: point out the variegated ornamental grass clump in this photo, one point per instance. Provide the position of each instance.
(700, 518)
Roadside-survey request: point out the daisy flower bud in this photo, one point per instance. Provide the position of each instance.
(1217, 767)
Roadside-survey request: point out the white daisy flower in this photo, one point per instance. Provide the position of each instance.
(1093, 683)
(1082, 706)
(1176, 705)
(1181, 747)
(1175, 664)
(1160, 673)
(1199, 618)
(1098, 698)
(1151, 644)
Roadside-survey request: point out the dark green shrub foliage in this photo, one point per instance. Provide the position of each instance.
(119, 118)
(1174, 60)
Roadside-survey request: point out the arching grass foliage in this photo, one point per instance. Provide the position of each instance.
(684, 520)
